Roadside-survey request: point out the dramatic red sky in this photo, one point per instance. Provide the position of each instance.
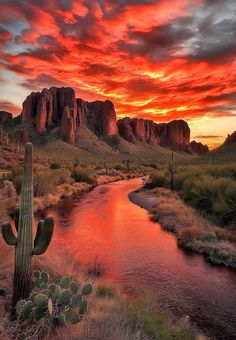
(157, 59)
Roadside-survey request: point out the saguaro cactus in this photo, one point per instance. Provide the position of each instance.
(172, 168)
(24, 246)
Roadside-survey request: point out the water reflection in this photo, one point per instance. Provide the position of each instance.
(104, 226)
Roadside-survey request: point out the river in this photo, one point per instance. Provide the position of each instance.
(105, 227)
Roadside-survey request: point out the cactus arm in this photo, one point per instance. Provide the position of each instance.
(44, 238)
(8, 234)
(39, 233)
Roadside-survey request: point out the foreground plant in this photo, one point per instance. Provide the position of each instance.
(54, 304)
(24, 246)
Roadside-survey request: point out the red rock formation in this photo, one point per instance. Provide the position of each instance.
(197, 147)
(101, 118)
(67, 129)
(46, 108)
(141, 129)
(175, 134)
(5, 117)
(125, 129)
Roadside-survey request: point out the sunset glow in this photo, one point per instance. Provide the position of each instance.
(155, 59)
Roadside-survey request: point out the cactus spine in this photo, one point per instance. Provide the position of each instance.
(172, 168)
(24, 247)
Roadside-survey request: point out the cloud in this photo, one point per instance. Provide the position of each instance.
(9, 107)
(151, 58)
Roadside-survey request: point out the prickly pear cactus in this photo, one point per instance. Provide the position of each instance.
(25, 248)
(54, 304)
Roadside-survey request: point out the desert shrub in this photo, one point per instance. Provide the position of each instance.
(105, 291)
(119, 167)
(153, 165)
(157, 324)
(81, 175)
(15, 177)
(46, 180)
(55, 166)
(158, 179)
(215, 196)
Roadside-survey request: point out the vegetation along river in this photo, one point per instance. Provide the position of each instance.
(104, 227)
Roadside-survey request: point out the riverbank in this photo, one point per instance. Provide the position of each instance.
(76, 189)
(192, 231)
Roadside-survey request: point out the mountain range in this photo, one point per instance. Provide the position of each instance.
(58, 108)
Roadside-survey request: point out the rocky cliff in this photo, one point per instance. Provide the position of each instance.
(59, 107)
(197, 147)
(230, 139)
(5, 117)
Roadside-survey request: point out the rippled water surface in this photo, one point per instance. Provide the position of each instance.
(105, 227)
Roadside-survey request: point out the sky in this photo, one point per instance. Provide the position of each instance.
(155, 59)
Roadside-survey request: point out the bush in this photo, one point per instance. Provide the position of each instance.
(158, 179)
(55, 166)
(46, 180)
(105, 291)
(119, 167)
(81, 175)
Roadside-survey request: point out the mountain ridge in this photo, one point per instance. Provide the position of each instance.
(59, 107)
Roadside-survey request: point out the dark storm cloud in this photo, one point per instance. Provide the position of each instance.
(49, 49)
(96, 69)
(226, 96)
(160, 42)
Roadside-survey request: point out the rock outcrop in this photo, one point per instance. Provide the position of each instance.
(230, 138)
(59, 108)
(101, 118)
(140, 129)
(47, 110)
(5, 117)
(199, 148)
(175, 134)
(67, 129)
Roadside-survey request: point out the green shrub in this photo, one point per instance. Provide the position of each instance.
(157, 324)
(119, 167)
(105, 291)
(55, 166)
(81, 175)
(158, 179)
(45, 180)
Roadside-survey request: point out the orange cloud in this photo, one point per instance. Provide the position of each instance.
(156, 59)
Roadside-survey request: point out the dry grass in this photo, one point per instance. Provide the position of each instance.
(192, 230)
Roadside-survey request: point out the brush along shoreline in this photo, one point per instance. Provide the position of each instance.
(193, 232)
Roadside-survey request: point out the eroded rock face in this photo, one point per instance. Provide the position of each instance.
(101, 118)
(5, 117)
(141, 129)
(46, 107)
(175, 134)
(67, 129)
(230, 139)
(197, 147)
